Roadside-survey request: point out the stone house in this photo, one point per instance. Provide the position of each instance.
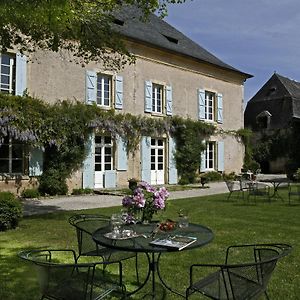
(172, 75)
(272, 110)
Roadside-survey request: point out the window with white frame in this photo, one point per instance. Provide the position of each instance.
(8, 74)
(103, 153)
(104, 90)
(12, 157)
(210, 156)
(210, 106)
(157, 98)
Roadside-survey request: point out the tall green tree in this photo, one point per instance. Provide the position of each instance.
(84, 27)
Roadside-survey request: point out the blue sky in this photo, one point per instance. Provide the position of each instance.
(257, 37)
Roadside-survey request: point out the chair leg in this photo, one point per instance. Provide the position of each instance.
(228, 197)
(266, 295)
(136, 269)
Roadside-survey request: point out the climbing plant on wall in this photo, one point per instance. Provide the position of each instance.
(189, 136)
(62, 130)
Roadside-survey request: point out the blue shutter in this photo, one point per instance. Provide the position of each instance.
(148, 96)
(169, 104)
(36, 159)
(219, 108)
(88, 175)
(220, 156)
(119, 92)
(173, 176)
(21, 74)
(146, 159)
(122, 164)
(202, 159)
(110, 179)
(201, 104)
(91, 87)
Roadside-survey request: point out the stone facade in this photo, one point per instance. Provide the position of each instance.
(53, 76)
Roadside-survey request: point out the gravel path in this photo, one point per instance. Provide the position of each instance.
(42, 206)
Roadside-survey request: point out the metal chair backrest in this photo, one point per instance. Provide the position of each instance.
(59, 275)
(250, 279)
(85, 225)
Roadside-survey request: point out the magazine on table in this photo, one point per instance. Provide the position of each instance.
(177, 241)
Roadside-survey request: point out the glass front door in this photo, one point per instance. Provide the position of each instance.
(103, 158)
(157, 161)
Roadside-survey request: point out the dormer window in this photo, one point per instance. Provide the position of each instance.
(263, 119)
(171, 39)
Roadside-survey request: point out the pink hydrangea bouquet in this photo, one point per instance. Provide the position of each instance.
(145, 201)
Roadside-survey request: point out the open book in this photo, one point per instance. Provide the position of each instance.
(177, 241)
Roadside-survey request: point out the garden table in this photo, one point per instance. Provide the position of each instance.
(141, 243)
(276, 182)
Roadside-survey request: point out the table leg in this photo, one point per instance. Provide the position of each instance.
(275, 193)
(153, 268)
(147, 277)
(164, 283)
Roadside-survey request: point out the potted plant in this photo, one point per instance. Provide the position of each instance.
(132, 183)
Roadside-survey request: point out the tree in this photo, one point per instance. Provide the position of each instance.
(84, 27)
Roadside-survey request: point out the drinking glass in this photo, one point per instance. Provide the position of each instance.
(116, 223)
(183, 220)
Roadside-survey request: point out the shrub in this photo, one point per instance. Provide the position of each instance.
(183, 181)
(10, 211)
(211, 176)
(230, 176)
(52, 183)
(82, 191)
(30, 193)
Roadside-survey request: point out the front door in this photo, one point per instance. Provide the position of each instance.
(103, 158)
(157, 161)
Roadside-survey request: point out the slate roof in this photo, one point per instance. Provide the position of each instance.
(158, 33)
(280, 96)
(292, 86)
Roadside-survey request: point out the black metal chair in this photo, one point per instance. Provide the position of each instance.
(244, 275)
(61, 277)
(85, 225)
(258, 189)
(234, 187)
(294, 190)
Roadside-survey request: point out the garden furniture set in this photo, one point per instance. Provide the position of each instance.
(255, 188)
(62, 274)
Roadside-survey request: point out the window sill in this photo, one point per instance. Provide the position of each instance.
(104, 107)
(155, 114)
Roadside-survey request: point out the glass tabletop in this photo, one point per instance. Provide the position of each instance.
(142, 237)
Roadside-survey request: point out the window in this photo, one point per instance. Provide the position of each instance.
(7, 84)
(11, 157)
(157, 98)
(209, 106)
(104, 88)
(210, 156)
(263, 119)
(103, 153)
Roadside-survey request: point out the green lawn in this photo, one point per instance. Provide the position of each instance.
(232, 222)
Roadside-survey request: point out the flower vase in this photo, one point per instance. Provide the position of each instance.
(146, 216)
